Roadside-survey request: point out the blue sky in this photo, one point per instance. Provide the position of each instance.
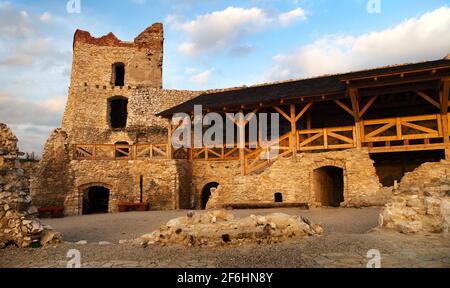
(208, 44)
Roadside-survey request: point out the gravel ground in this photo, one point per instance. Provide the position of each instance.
(115, 227)
(345, 244)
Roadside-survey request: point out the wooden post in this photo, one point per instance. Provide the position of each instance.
(445, 116)
(169, 137)
(293, 138)
(241, 126)
(353, 93)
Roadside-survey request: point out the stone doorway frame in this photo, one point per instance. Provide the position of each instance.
(327, 163)
(83, 188)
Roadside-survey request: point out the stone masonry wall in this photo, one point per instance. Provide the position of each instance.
(293, 177)
(18, 222)
(422, 201)
(50, 180)
(165, 183)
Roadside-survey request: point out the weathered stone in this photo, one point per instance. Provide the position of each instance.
(202, 231)
(420, 203)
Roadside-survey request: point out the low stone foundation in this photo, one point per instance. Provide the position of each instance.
(216, 228)
(422, 201)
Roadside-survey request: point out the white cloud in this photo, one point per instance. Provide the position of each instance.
(222, 30)
(414, 39)
(290, 17)
(201, 78)
(45, 17)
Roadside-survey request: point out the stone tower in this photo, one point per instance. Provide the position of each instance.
(106, 72)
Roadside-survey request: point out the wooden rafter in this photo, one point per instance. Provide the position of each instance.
(429, 99)
(343, 106)
(367, 106)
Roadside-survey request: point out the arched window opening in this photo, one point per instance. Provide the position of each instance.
(119, 74)
(118, 112)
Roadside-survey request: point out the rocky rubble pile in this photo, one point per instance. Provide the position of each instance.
(18, 222)
(216, 228)
(422, 201)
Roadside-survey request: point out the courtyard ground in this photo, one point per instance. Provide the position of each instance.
(347, 239)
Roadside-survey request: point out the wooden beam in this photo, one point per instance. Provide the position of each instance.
(242, 141)
(368, 105)
(429, 99)
(293, 138)
(169, 146)
(444, 97)
(353, 93)
(278, 109)
(343, 106)
(304, 110)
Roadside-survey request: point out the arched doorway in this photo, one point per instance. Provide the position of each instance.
(329, 186)
(206, 193)
(96, 200)
(278, 197)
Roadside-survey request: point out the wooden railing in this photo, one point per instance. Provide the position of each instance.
(404, 128)
(120, 152)
(265, 156)
(229, 152)
(327, 139)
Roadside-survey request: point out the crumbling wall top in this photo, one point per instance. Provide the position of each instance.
(152, 37)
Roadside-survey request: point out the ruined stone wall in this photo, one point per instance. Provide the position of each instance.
(51, 180)
(18, 222)
(165, 183)
(422, 201)
(293, 177)
(205, 172)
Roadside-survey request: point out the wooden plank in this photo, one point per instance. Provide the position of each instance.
(311, 139)
(353, 93)
(418, 147)
(420, 128)
(368, 105)
(382, 129)
(445, 97)
(343, 106)
(340, 137)
(278, 109)
(304, 110)
(428, 99)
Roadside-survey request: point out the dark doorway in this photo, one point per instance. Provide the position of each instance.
(278, 198)
(96, 200)
(206, 193)
(118, 112)
(329, 186)
(119, 74)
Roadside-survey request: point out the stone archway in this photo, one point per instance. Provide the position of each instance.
(329, 186)
(206, 194)
(95, 198)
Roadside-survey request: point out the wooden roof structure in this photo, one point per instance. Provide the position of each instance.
(391, 79)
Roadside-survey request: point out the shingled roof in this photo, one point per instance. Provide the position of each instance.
(311, 87)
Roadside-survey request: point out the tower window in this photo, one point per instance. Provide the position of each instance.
(119, 74)
(118, 113)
